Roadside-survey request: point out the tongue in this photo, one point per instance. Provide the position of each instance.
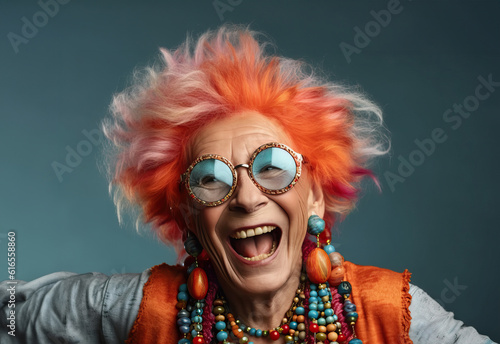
(254, 246)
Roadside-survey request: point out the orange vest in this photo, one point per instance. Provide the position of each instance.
(380, 295)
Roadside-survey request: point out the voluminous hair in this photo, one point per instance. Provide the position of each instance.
(222, 73)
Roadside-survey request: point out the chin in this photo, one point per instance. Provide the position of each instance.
(267, 268)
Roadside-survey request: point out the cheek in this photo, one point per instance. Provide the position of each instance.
(206, 224)
(297, 208)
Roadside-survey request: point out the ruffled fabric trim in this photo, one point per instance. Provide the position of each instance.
(406, 301)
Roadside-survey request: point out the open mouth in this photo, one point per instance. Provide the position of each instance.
(254, 244)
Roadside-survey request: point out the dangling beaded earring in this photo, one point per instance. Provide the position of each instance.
(197, 288)
(324, 267)
(197, 281)
(318, 264)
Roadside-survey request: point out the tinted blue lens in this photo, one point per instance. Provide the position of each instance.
(274, 168)
(211, 180)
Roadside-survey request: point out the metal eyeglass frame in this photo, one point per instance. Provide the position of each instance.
(298, 158)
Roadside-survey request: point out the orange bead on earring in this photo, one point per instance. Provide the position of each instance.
(318, 266)
(197, 282)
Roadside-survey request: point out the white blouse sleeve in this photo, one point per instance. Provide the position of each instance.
(65, 307)
(431, 324)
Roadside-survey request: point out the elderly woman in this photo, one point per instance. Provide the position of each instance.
(246, 160)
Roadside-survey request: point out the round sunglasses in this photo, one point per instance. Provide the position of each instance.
(274, 168)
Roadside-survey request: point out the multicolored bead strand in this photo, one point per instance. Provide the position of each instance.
(210, 320)
(189, 317)
(183, 320)
(345, 290)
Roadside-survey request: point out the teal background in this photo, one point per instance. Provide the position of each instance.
(441, 222)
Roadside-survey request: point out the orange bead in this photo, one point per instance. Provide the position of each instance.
(322, 329)
(331, 328)
(198, 284)
(336, 259)
(300, 318)
(318, 266)
(332, 336)
(336, 276)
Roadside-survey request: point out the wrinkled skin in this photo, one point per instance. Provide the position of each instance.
(258, 292)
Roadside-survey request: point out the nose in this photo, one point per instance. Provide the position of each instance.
(246, 197)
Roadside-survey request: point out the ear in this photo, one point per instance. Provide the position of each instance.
(316, 200)
(188, 212)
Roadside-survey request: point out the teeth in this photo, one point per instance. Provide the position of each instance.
(264, 255)
(247, 233)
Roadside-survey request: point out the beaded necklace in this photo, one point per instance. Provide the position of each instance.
(319, 313)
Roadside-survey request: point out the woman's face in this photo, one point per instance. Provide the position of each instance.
(262, 262)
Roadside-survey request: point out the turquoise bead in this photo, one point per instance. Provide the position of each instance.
(221, 336)
(258, 333)
(313, 307)
(328, 311)
(315, 225)
(313, 293)
(355, 341)
(344, 288)
(183, 287)
(321, 307)
(329, 249)
(220, 325)
(252, 331)
(312, 315)
(323, 292)
(293, 325)
(330, 319)
(299, 310)
(352, 314)
(313, 299)
(197, 319)
(321, 321)
(243, 327)
(184, 341)
(313, 286)
(335, 317)
(182, 296)
(197, 311)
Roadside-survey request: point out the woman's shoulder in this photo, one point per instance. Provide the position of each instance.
(77, 306)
